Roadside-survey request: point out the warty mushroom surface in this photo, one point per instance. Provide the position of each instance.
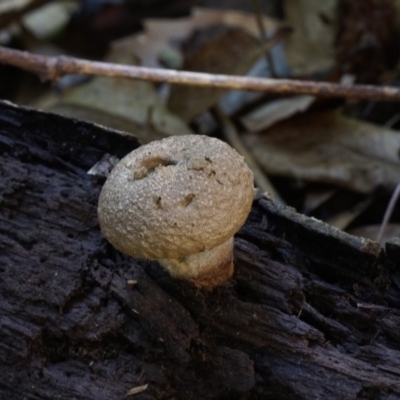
(179, 200)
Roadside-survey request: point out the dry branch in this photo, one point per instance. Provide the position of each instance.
(52, 68)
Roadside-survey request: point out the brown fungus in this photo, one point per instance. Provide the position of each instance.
(203, 191)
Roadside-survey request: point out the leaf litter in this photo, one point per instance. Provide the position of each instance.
(300, 142)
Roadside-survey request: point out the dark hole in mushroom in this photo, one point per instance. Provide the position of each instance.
(157, 201)
(188, 199)
(198, 163)
(149, 165)
(152, 163)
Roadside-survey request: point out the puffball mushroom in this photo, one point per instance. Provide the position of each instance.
(179, 200)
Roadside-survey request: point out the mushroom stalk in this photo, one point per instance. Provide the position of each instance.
(206, 269)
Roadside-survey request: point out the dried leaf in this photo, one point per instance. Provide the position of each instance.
(165, 36)
(10, 6)
(310, 47)
(231, 52)
(329, 148)
(124, 104)
(274, 111)
(136, 390)
(49, 20)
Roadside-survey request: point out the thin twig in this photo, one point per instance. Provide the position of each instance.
(52, 68)
(230, 133)
(263, 34)
(388, 213)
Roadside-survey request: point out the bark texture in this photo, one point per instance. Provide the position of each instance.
(310, 313)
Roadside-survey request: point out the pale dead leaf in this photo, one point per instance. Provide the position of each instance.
(9, 6)
(166, 36)
(122, 104)
(329, 148)
(274, 111)
(310, 47)
(232, 51)
(136, 390)
(50, 19)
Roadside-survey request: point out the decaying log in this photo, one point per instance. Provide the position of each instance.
(310, 313)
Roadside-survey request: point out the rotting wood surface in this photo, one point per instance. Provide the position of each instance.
(310, 313)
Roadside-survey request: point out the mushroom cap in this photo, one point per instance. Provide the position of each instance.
(175, 197)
